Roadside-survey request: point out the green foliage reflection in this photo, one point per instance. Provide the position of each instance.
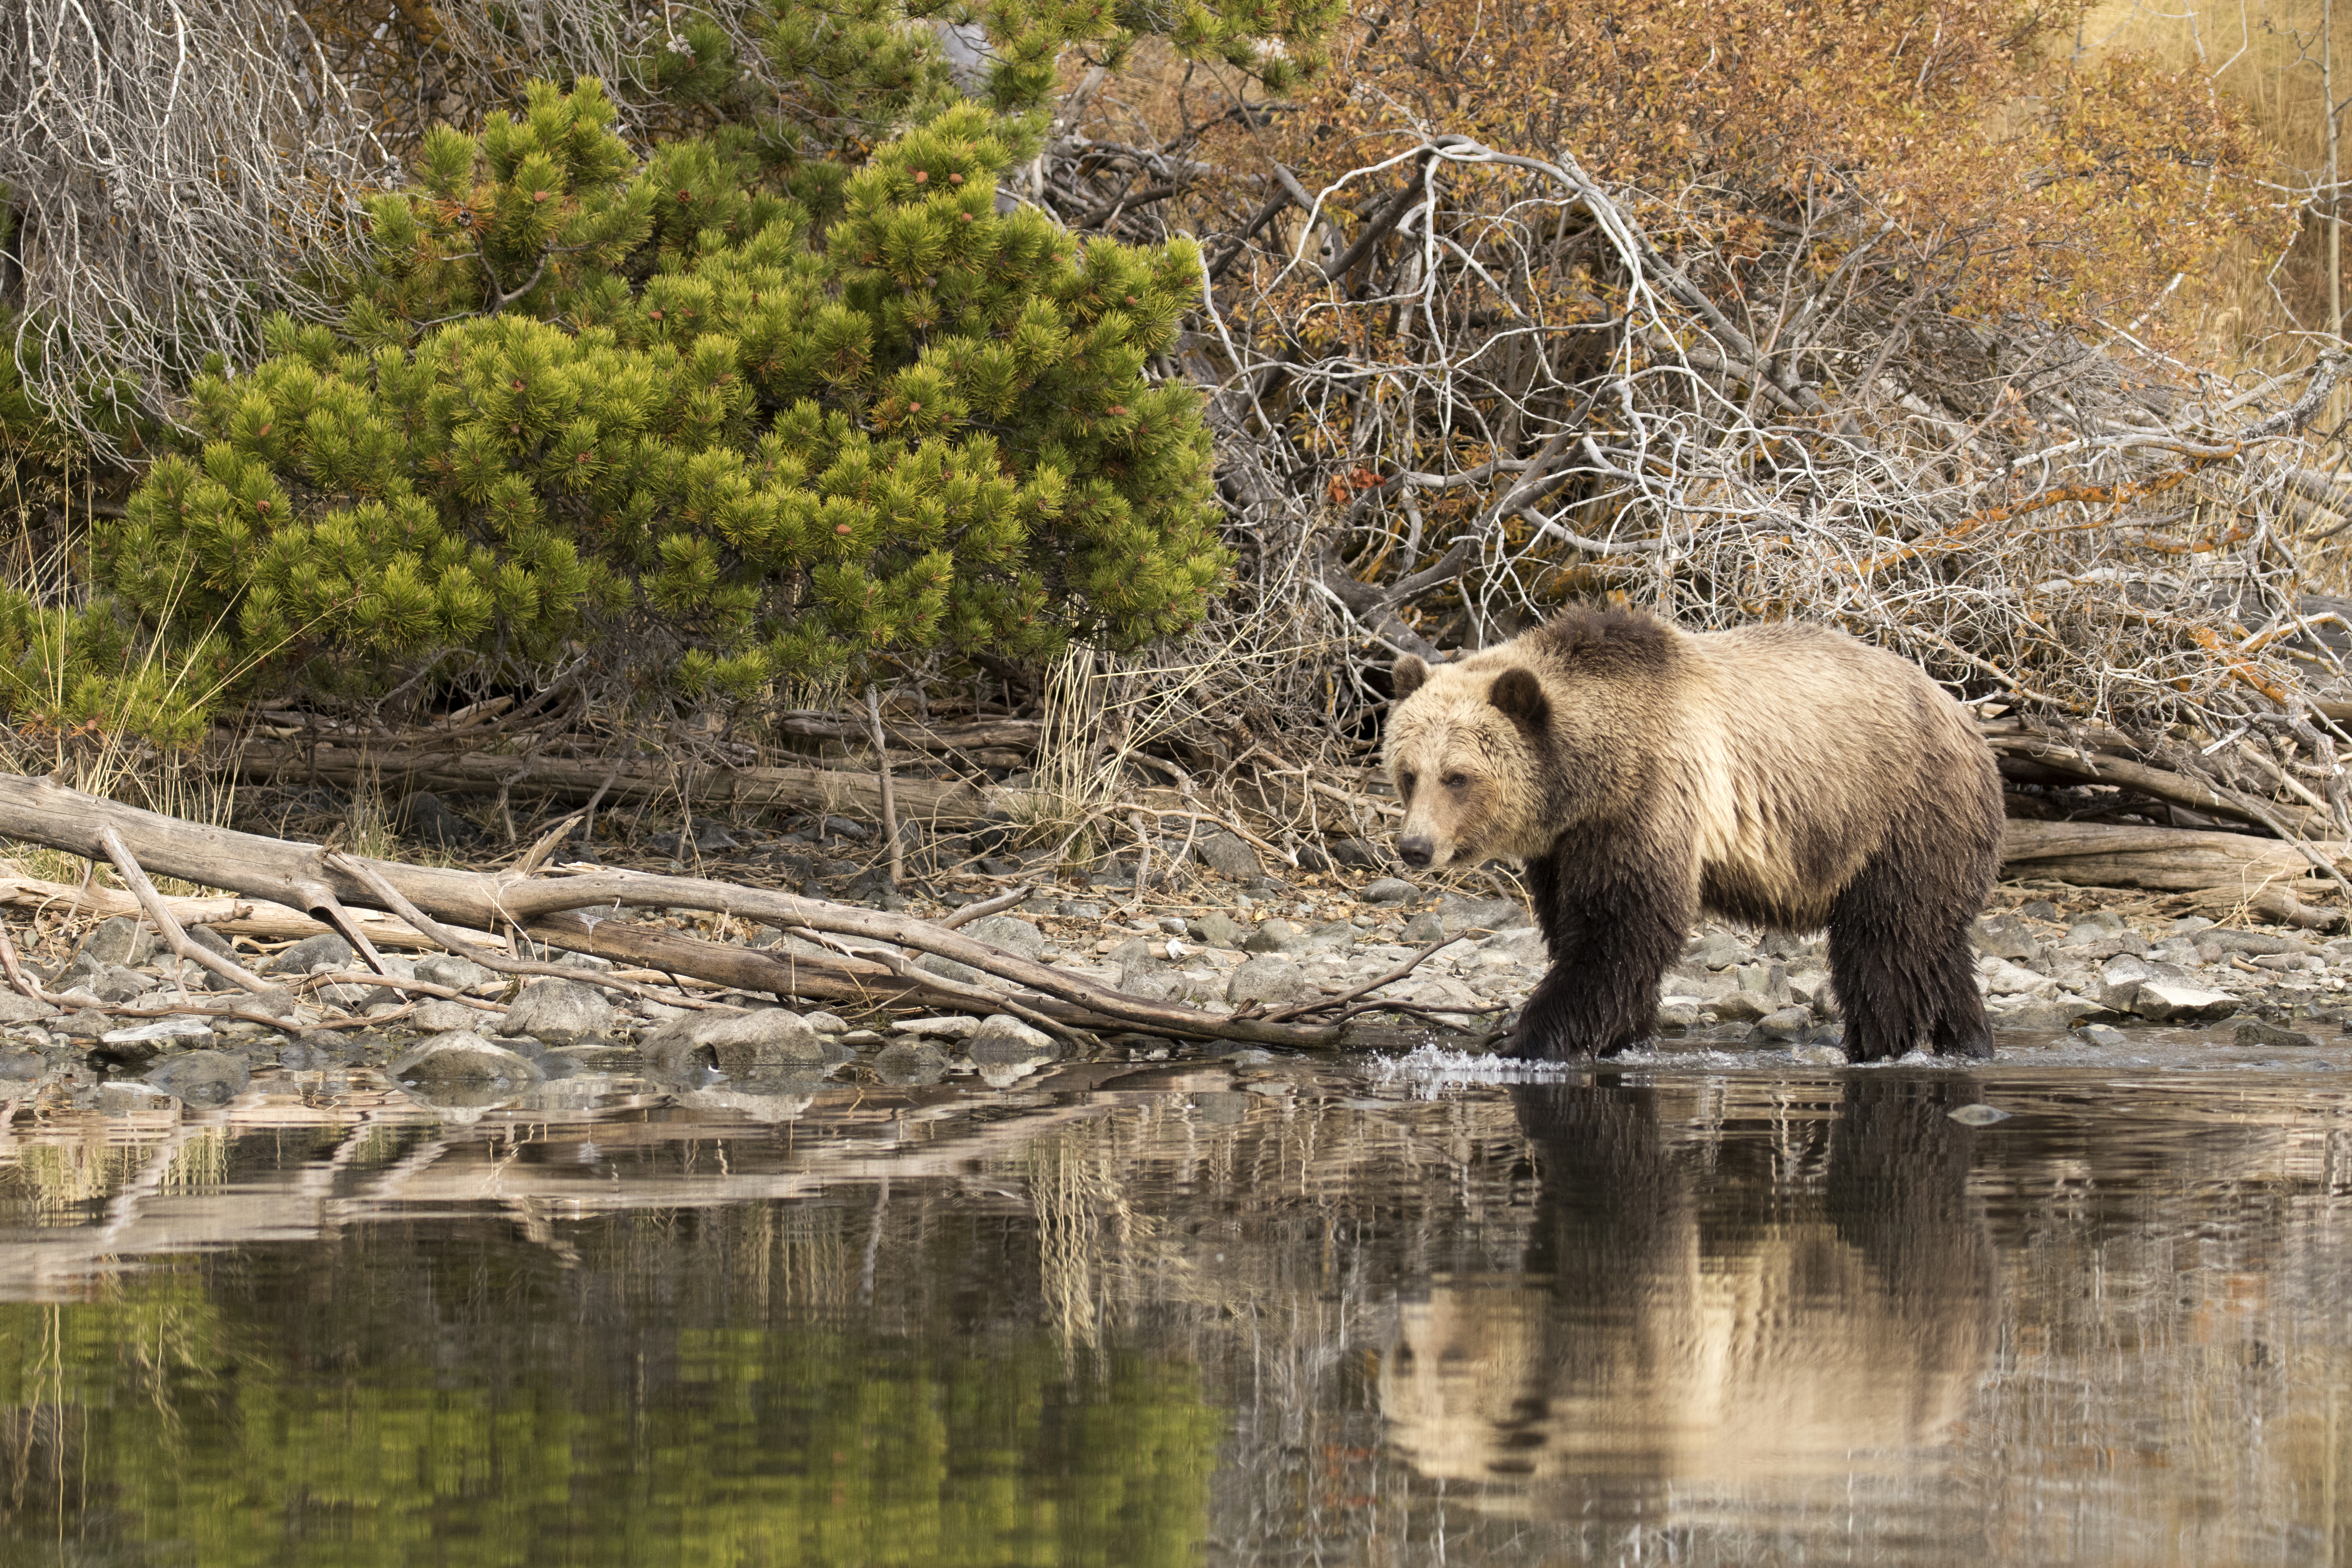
(155, 1425)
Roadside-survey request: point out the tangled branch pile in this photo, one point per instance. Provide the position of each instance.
(1892, 371)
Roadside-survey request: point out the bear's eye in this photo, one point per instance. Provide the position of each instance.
(1455, 781)
(1404, 783)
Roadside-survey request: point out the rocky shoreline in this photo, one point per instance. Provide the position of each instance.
(1272, 945)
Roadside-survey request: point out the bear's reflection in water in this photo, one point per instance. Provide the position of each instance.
(1700, 1313)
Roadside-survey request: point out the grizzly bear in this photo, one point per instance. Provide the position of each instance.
(1782, 775)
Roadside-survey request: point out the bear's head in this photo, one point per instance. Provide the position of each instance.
(1465, 754)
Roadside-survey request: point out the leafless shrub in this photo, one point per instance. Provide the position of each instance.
(1459, 386)
(171, 164)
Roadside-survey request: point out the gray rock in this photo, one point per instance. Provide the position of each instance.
(1423, 928)
(1978, 1115)
(1390, 890)
(2252, 943)
(2120, 979)
(458, 974)
(201, 1078)
(324, 951)
(2059, 1010)
(1814, 988)
(949, 969)
(1675, 1017)
(166, 1033)
(1742, 1007)
(1526, 944)
(1356, 852)
(2101, 921)
(2254, 1032)
(2177, 1002)
(1311, 858)
(399, 968)
(843, 827)
(1229, 856)
(2103, 944)
(1274, 936)
(1002, 1039)
(826, 1022)
(118, 940)
(769, 1037)
(1695, 984)
(1137, 959)
(1019, 937)
(1716, 950)
(1768, 981)
(463, 1057)
(82, 1024)
(1477, 916)
(21, 1066)
(2188, 925)
(1218, 928)
(1782, 1024)
(946, 1026)
(2004, 936)
(425, 816)
(1818, 1054)
(2103, 1036)
(911, 1062)
(438, 1015)
(1271, 979)
(561, 1013)
(16, 1009)
(1331, 936)
(118, 984)
(212, 942)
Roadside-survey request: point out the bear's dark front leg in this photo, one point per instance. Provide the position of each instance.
(1613, 925)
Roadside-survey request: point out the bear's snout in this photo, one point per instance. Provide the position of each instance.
(1416, 849)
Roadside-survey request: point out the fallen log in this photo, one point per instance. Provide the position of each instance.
(306, 876)
(230, 917)
(2158, 784)
(851, 791)
(2166, 859)
(708, 785)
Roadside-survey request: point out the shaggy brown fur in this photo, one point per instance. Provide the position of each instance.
(1784, 775)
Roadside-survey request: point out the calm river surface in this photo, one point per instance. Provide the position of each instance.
(1704, 1308)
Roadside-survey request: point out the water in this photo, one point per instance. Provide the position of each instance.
(1703, 1308)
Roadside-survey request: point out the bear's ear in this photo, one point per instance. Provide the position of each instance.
(1407, 674)
(1521, 698)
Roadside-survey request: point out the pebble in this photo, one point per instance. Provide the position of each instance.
(1390, 891)
(1978, 1115)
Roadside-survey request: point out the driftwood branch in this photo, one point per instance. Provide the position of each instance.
(43, 811)
(152, 901)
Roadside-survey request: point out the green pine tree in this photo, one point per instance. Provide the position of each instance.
(651, 415)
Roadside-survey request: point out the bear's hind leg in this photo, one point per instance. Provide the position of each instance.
(1904, 971)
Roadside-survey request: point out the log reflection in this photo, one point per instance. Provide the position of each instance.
(1695, 1317)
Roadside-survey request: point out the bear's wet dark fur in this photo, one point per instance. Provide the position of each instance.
(1785, 776)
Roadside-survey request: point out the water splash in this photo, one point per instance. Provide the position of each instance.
(1429, 1070)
